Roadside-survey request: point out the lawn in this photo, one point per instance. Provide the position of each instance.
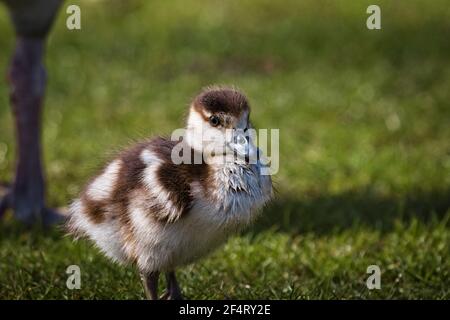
(363, 115)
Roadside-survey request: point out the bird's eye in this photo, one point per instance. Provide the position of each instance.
(214, 121)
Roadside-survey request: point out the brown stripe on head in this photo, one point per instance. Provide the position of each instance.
(223, 100)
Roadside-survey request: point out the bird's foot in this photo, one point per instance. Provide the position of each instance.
(165, 296)
(26, 209)
(173, 289)
(51, 216)
(172, 295)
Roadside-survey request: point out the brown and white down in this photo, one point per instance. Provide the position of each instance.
(146, 210)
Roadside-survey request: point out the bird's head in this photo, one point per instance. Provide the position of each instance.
(218, 124)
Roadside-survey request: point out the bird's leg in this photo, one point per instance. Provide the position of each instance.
(27, 79)
(150, 282)
(32, 21)
(173, 289)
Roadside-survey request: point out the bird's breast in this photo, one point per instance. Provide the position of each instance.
(237, 192)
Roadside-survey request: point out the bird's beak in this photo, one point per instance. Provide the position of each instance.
(242, 145)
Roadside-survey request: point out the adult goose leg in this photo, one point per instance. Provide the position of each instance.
(26, 196)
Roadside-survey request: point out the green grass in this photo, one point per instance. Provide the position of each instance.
(364, 141)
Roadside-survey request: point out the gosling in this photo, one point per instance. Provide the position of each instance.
(164, 203)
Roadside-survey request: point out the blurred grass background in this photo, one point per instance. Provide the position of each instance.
(364, 140)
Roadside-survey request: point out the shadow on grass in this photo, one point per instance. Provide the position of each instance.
(319, 214)
(326, 214)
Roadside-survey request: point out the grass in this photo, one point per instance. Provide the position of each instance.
(364, 141)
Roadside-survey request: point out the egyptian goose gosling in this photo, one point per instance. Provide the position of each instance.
(163, 203)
